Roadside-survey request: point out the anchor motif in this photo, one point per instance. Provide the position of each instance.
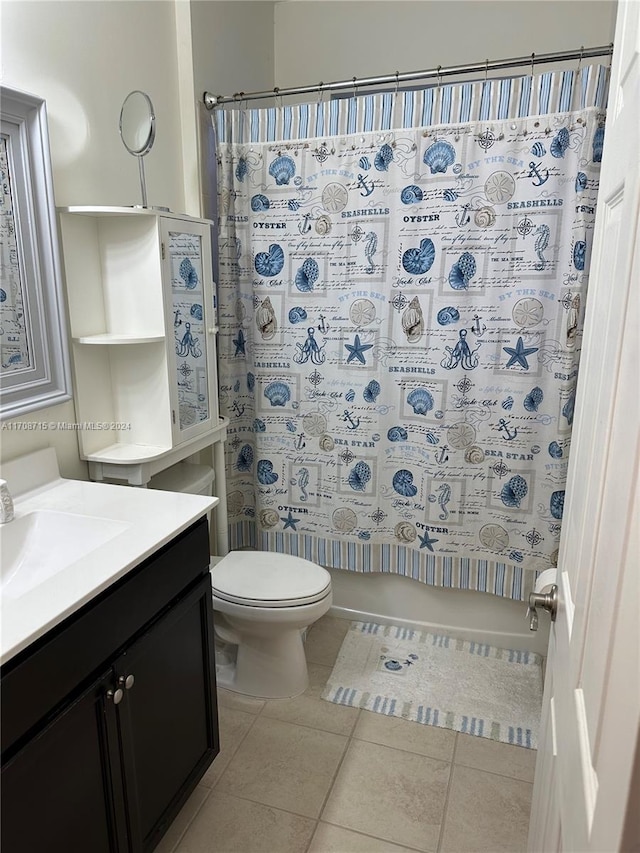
(299, 443)
(305, 226)
(463, 218)
(476, 328)
(535, 173)
(239, 410)
(322, 326)
(442, 456)
(348, 418)
(503, 426)
(362, 184)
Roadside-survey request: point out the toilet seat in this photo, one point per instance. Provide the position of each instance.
(266, 579)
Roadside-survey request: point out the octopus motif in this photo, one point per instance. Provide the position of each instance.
(188, 345)
(309, 350)
(460, 355)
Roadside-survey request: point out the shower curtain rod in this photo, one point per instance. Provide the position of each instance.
(212, 101)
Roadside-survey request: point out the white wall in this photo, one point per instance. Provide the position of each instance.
(339, 39)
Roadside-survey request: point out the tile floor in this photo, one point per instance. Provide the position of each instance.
(306, 776)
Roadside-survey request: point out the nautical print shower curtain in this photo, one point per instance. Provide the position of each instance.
(402, 284)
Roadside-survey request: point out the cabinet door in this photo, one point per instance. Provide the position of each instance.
(191, 331)
(57, 792)
(168, 717)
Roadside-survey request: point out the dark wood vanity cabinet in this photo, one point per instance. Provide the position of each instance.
(108, 763)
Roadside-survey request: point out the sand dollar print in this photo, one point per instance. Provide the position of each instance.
(235, 502)
(314, 423)
(461, 435)
(334, 198)
(499, 187)
(528, 312)
(494, 537)
(362, 312)
(344, 519)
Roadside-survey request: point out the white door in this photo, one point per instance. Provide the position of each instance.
(591, 708)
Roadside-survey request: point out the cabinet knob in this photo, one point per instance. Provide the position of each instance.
(126, 681)
(115, 695)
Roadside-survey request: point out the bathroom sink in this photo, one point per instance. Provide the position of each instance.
(38, 545)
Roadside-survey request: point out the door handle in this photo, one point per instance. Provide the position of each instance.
(116, 695)
(546, 601)
(126, 681)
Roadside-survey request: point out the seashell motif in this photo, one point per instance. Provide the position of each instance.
(579, 254)
(364, 163)
(326, 443)
(364, 534)
(270, 263)
(439, 156)
(241, 169)
(449, 195)
(350, 396)
(538, 149)
(494, 537)
(293, 204)
(3, 295)
(268, 518)
(533, 399)
(474, 455)
(403, 483)
(196, 311)
(251, 381)
(597, 145)
(413, 321)
(507, 404)
(359, 476)
(291, 427)
(260, 203)
(405, 532)
(514, 491)
(344, 519)
(371, 392)
(236, 386)
(432, 438)
(307, 275)
(567, 409)
(556, 504)
(485, 217)
(259, 425)
(411, 194)
(314, 423)
(383, 158)
(448, 315)
(264, 472)
(581, 182)
(462, 271)
(282, 169)
(419, 261)
(235, 502)
(555, 451)
(277, 393)
(297, 315)
(245, 458)
(240, 311)
(266, 320)
(323, 225)
(188, 274)
(516, 556)
(397, 433)
(560, 143)
(420, 401)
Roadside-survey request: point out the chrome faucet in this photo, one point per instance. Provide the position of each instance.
(6, 503)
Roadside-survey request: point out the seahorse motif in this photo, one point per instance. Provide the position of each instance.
(303, 482)
(443, 500)
(370, 248)
(542, 241)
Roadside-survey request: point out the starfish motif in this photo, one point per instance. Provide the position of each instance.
(357, 350)
(239, 342)
(426, 542)
(519, 354)
(289, 521)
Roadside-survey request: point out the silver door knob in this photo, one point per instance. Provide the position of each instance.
(116, 695)
(126, 681)
(545, 601)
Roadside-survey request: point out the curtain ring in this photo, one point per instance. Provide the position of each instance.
(355, 87)
(533, 57)
(439, 77)
(486, 69)
(397, 82)
(321, 87)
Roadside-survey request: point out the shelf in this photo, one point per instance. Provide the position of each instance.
(115, 340)
(125, 454)
(89, 210)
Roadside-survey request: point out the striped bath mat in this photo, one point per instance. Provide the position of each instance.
(439, 680)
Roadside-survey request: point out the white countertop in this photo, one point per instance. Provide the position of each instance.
(149, 519)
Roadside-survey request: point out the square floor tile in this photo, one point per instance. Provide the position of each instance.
(227, 824)
(486, 813)
(286, 766)
(324, 640)
(233, 727)
(181, 823)
(503, 758)
(405, 734)
(335, 839)
(390, 794)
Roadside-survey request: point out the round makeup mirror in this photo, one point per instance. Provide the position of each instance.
(138, 130)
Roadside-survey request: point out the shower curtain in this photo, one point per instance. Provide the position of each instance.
(402, 282)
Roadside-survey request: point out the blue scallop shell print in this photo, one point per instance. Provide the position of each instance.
(448, 315)
(556, 504)
(598, 143)
(371, 392)
(419, 261)
(277, 393)
(241, 169)
(403, 483)
(538, 149)
(251, 381)
(439, 156)
(265, 473)
(383, 158)
(245, 458)
(297, 315)
(579, 254)
(3, 295)
(569, 406)
(350, 396)
(507, 404)
(260, 203)
(462, 271)
(397, 433)
(293, 204)
(188, 274)
(270, 263)
(449, 195)
(581, 182)
(291, 426)
(411, 194)
(282, 169)
(307, 275)
(514, 491)
(420, 401)
(259, 425)
(560, 143)
(533, 399)
(196, 311)
(555, 451)
(359, 476)
(364, 163)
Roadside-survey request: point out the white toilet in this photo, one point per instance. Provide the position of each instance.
(262, 603)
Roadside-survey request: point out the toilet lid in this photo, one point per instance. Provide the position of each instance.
(265, 579)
